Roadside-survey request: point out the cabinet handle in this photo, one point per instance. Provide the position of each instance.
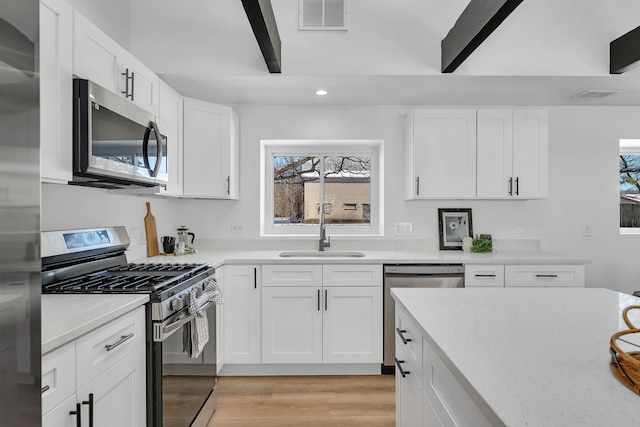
(511, 186)
(122, 339)
(318, 299)
(402, 371)
(127, 77)
(325, 300)
(417, 186)
(90, 403)
(77, 414)
(255, 278)
(228, 185)
(133, 80)
(485, 275)
(547, 275)
(517, 186)
(45, 388)
(402, 337)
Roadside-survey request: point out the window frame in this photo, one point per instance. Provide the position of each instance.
(627, 147)
(333, 147)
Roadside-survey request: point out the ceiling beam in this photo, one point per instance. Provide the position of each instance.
(624, 52)
(263, 24)
(474, 25)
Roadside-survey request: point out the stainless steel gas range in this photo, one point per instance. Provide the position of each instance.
(93, 261)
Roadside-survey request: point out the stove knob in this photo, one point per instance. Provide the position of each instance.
(177, 304)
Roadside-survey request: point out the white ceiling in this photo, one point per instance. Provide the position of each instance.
(545, 52)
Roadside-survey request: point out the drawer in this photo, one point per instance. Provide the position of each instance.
(102, 348)
(58, 376)
(490, 275)
(409, 349)
(292, 275)
(544, 275)
(352, 275)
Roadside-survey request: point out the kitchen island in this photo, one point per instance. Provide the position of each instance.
(511, 357)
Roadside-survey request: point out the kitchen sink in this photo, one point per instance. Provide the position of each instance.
(318, 254)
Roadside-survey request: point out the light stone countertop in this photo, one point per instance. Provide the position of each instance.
(66, 317)
(534, 357)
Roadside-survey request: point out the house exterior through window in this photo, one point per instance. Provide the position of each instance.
(629, 162)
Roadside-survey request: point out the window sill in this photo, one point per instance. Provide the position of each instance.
(628, 230)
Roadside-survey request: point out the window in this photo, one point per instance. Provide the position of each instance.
(629, 163)
(298, 177)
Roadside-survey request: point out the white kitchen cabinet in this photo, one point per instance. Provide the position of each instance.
(322, 313)
(211, 151)
(408, 396)
(483, 275)
(241, 314)
(544, 275)
(170, 110)
(512, 150)
(441, 154)
(103, 371)
(56, 78)
(98, 58)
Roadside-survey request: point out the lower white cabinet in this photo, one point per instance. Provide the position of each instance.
(241, 314)
(489, 275)
(524, 275)
(100, 377)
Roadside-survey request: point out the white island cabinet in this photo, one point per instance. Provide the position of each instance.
(510, 357)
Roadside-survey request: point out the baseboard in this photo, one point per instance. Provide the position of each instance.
(301, 369)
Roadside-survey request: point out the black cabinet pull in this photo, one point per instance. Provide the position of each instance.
(318, 299)
(90, 403)
(402, 371)
(228, 185)
(511, 186)
(417, 186)
(325, 300)
(255, 278)
(551, 276)
(128, 78)
(45, 388)
(122, 339)
(485, 275)
(133, 80)
(402, 337)
(77, 414)
(517, 186)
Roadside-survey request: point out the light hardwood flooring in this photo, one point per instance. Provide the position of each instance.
(340, 401)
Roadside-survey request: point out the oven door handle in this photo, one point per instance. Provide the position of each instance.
(168, 329)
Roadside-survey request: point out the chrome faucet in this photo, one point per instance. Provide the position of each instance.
(325, 241)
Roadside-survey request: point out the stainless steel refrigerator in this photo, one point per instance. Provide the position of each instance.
(19, 215)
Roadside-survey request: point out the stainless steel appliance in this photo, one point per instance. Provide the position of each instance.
(412, 276)
(92, 261)
(115, 143)
(20, 372)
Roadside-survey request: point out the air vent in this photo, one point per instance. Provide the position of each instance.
(325, 15)
(594, 94)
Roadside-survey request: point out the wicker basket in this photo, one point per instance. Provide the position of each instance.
(626, 365)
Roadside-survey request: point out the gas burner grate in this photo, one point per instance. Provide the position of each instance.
(112, 284)
(184, 267)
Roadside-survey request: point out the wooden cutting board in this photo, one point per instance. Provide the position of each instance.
(152, 232)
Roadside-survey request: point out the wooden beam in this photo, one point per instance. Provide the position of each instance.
(624, 52)
(474, 25)
(263, 24)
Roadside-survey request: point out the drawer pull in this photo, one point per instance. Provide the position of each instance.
(77, 414)
(402, 337)
(90, 403)
(402, 371)
(45, 388)
(122, 339)
(552, 276)
(485, 275)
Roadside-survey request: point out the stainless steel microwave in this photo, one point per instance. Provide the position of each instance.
(115, 143)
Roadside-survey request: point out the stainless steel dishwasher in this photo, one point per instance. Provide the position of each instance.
(412, 276)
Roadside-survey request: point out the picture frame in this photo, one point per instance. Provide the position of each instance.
(454, 225)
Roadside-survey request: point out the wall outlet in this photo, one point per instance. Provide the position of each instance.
(404, 228)
(237, 228)
(134, 232)
(515, 229)
(586, 229)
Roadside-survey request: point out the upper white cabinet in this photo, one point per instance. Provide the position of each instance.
(441, 154)
(512, 148)
(489, 154)
(99, 58)
(56, 63)
(211, 150)
(170, 110)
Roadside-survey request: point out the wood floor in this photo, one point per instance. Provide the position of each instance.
(310, 401)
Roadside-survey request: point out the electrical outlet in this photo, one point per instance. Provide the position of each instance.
(404, 228)
(586, 229)
(237, 228)
(514, 229)
(134, 232)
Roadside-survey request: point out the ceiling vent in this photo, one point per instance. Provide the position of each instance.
(595, 94)
(327, 15)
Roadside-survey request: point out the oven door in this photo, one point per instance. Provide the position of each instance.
(188, 385)
(116, 141)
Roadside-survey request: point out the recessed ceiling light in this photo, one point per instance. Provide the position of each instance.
(321, 92)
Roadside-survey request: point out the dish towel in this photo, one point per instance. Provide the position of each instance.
(196, 332)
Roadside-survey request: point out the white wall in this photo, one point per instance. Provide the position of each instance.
(583, 186)
(112, 16)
